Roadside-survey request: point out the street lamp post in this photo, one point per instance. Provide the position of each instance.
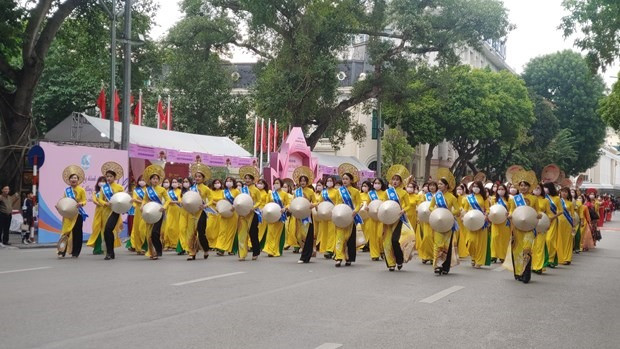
(126, 77)
(112, 14)
(379, 135)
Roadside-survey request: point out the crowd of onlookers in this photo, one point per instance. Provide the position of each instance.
(16, 214)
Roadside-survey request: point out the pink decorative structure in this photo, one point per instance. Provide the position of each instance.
(294, 152)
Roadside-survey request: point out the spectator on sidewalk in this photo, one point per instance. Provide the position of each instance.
(6, 210)
(27, 213)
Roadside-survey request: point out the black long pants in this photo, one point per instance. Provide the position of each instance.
(156, 237)
(5, 226)
(254, 236)
(448, 262)
(202, 232)
(398, 252)
(308, 247)
(352, 244)
(78, 236)
(108, 233)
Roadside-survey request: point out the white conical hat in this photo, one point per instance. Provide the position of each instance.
(364, 212)
(243, 204)
(151, 213)
(324, 211)
(389, 212)
(543, 224)
(121, 202)
(224, 208)
(524, 218)
(473, 220)
(424, 211)
(497, 214)
(271, 212)
(300, 208)
(373, 209)
(441, 220)
(191, 201)
(342, 216)
(67, 207)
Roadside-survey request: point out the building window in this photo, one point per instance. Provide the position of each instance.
(373, 166)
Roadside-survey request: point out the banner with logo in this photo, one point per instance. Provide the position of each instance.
(52, 187)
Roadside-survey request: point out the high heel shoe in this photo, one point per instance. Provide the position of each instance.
(399, 266)
(191, 258)
(338, 264)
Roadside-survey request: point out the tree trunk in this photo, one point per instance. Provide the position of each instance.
(15, 141)
(427, 161)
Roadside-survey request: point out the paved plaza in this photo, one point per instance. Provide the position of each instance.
(132, 302)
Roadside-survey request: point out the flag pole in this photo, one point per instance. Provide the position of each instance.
(262, 134)
(268, 139)
(275, 135)
(255, 135)
(140, 108)
(157, 112)
(168, 115)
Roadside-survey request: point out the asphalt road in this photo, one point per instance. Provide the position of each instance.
(132, 302)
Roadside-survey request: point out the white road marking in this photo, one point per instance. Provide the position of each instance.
(329, 346)
(20, 270)
(439, 295)
(207, 278)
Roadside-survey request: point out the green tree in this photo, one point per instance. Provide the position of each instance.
(477, 110)
(198, 81)
(565, 80)
(419, 109)
(610, 107)
(598, 22)
(301, 42)
(28, 29)
(78, 63)
(486, 110)
(396, 149)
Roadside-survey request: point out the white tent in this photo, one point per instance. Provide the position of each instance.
(84, 129)
(328, 160)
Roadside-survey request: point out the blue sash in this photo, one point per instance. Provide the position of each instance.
(429, 196)
(471, 198)
(346, 197)
(173, 196)
(207, 209)
(70, 194)
(107, 191)
(500, 201)
(246, 190)
(373, 195)
(567, 215)
(276, 198)
(153, 195)
(299, 193)
(140, 193)
(392, 195)
(325, 195)
(520, 201)
(552, 205)
(441, 202)
(228, 196)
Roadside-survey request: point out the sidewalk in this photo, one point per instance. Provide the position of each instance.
(16, 242)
